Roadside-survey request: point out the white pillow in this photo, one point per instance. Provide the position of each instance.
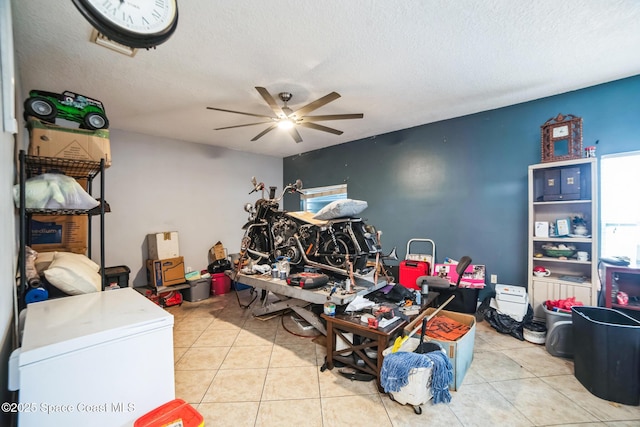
(43, 261)
(341, 208)
(74, 274)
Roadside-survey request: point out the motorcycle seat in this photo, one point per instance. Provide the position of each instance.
(307, 217)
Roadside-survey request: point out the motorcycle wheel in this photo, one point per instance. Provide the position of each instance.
(335, 254)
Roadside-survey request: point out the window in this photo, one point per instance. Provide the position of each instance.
(316, 198)
(620, 205)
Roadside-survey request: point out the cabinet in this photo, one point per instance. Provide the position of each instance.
(78, 169)
(627, 280)
(560, 192)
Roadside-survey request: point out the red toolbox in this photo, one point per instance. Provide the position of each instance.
(410, 271)
(416, 264)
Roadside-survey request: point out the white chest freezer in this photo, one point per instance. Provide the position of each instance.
(100, 359)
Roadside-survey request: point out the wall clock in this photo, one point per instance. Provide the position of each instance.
(134, 23)
(561, 138)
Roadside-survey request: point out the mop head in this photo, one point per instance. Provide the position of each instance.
(397, 366)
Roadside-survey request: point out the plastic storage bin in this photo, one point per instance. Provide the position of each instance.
(559, 340)
(117, 276)
(198, 290)
(607, 353)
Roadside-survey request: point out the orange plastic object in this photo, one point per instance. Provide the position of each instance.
(174, 413)
(444, 328)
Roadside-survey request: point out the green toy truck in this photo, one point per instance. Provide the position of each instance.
(48, 106)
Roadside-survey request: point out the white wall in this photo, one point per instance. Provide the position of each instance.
(157, 184)
(8, 258)
(8, 246)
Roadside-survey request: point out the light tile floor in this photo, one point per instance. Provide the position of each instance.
(238, 370)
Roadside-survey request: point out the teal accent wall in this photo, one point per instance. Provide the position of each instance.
(463, 182)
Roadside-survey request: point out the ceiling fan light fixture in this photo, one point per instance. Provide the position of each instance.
(286, 124)
(285, 118)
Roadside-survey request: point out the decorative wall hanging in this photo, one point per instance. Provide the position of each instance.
(561, 138)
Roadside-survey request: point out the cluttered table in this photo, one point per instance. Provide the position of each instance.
(363, 349)
(298, 299)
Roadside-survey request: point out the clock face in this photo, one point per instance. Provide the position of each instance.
(144, 17)
(560, 131)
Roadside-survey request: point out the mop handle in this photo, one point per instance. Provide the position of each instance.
(429, 317)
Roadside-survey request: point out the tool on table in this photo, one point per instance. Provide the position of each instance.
(308, 280)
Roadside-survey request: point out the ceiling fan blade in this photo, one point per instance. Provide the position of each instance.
(240, 126)
(272, 102)
(316, 104)
(320, 127)
(295, 135)
(239, 112)
(331, 117)
(264, 132)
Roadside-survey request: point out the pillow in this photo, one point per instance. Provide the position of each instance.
(341, 208)
(43, 261)
(74, 274)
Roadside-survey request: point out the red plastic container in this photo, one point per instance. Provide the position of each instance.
(410, 271)
(220, 284)
(174, 413)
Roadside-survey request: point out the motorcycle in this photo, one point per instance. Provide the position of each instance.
(341, 245)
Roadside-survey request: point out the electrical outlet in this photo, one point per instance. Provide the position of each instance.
(494, 278)
(189, 270)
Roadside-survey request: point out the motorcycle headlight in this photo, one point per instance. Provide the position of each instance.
(248, 207)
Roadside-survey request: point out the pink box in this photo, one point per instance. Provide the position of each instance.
(473, 276)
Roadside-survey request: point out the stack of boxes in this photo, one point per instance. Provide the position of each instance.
(165, 266)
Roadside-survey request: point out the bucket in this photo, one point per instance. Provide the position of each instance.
(220, 284)
(535, 332)
(174, 413)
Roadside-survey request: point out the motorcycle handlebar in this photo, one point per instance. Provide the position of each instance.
(293, 188)
(257, 187)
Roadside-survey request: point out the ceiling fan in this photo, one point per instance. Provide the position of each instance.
(288, 119)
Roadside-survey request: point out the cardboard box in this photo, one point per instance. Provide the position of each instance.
(165, 272)
(473, 276)
(48, 140)
(460, 352)
(163, 245)
(64, 233)
(217, 252)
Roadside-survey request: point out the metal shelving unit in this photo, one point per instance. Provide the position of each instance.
(79, 169)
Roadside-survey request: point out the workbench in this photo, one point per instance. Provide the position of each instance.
(298, 299)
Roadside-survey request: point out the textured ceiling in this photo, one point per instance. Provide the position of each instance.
(401, 63)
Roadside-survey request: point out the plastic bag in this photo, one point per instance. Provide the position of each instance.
(503, 323)
(54, 191)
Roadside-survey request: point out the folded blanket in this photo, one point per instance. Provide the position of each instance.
(397, 366)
